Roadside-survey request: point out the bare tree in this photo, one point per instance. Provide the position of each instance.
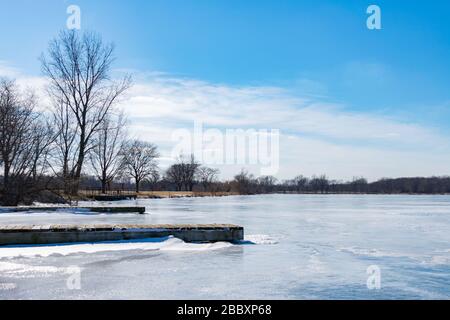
(267, 184)
(183, 173)
(320, 183)
(66, 144)
(108, 149)
(78, 67)
(359, 184)
(244, 182)
(24, 143)
(207, 176)
(153, 180)
(301, 183)
(43, 136)
(139, 160)
(174, 174)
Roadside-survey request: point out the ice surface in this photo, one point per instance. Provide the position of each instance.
(259, 239)
(296, 247)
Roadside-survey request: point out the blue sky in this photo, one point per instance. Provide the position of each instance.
(319, 50)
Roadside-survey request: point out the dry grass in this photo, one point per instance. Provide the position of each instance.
(84, 194)
(182, 194)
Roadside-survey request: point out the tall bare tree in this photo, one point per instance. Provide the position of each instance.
(106, 156)
(24, 143)
(139, 160)
(79, 69)
(66, 144)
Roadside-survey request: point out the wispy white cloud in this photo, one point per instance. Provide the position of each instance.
(170, 99)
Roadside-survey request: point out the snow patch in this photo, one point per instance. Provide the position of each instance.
(259, 239)
(161, 244)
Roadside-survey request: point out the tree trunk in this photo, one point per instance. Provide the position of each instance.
(79, 165)
(104, 182)
(9, 196)
(137, 185)
(6, 168)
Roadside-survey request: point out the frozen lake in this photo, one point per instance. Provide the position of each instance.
(306, 247)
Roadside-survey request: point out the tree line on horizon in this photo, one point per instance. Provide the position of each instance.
(358, 185)
(80, 141)
(198, 178)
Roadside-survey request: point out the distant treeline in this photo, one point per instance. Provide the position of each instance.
(245, 183)
(418, 185)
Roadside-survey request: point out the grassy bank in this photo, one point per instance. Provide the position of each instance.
(88, 194)
(182, 194)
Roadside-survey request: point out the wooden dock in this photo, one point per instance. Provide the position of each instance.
(54, 234)
(140, 210)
